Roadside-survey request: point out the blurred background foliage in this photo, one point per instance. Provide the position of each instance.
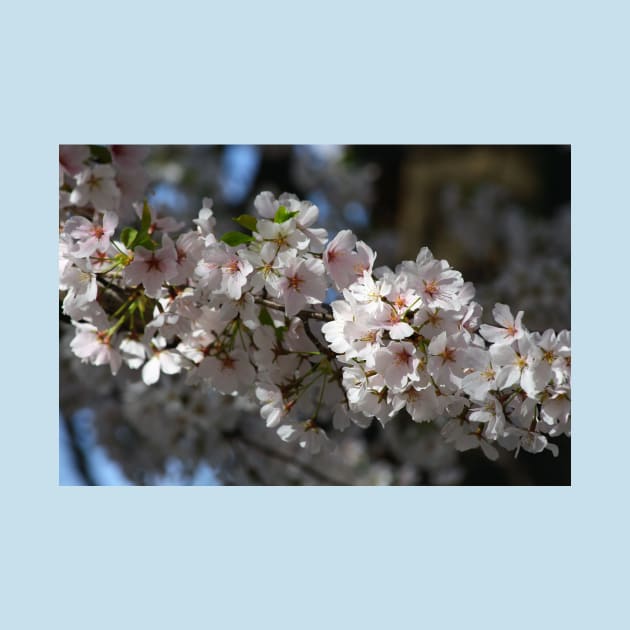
(499, 214)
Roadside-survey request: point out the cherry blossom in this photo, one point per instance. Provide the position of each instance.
(302, 283)
(90, 237)
(152, 268)
(163, 360)
(246, 314)
(510, 327)
(96, 185)
(96, 346)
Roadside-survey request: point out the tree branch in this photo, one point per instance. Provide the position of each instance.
(305, 314)
(80, 460)
(270, 452)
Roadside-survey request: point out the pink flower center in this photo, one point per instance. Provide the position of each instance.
(412, 395)
(431, 288)
(295, 282)
(402, 357)
(370, 337)
(400, 302)
(99, 257)
(94, 182)
(228, 363)
(153, 263)
(103, 337)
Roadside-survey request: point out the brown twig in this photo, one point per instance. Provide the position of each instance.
(270, 452)
(305, 314)
(80, 460)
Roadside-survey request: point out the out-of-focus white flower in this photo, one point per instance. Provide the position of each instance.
(96, 185)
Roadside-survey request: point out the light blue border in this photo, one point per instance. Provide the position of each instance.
(279, 72)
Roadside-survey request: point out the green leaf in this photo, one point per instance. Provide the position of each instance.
(144, 240)
(247, 221)
(141, 307)
(265, 318)
(146, 218)
(100, 154)
(282, 215)
(236, 238)
(280, 332)
(131, 238)
(128, 236)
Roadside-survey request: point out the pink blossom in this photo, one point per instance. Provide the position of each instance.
(89, 236)
(95, 346)
(302, 283)
(152, 268)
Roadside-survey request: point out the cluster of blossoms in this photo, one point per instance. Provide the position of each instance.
(248, 314)
(174, 433)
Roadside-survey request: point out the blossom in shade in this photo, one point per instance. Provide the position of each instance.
(163, 360)
(491, 414)
(96, 185)
(82, 289)
(309, 436)
(465, 436)
(422, 403)
(95, 346)
(230, 372)
(128, 155)
(72, 159)
(273, 406)
(188, 248)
